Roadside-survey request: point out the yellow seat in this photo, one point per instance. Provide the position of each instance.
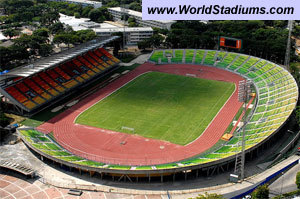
(29, 104)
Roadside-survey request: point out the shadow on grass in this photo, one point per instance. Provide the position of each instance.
(45, 115)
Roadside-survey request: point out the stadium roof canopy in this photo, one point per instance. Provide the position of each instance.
(44, 63)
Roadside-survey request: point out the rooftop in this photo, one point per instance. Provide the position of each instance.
(86, 1)
(2, 37)
(126, 29)
(84, 23)
(138, 14)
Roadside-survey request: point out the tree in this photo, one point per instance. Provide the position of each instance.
(49, 18)
(156, 40)
(296, 74)
(94, 14)
(85, 11)
(132, 22)
(296, 31)
(15, 6)
(41, 1)
(18, 52)
(99, 15)
(74, 37)
(261, 192)
(56, 28)
(135, 6)
(298, 178)
(62, 38)
(144, 44)
(85, 35)
(26, 16)
(11, 55)
(45, 49)
(10, 32)
(125, 17)
(3, 119)
(42, 32)
(24, 40)
(130, 19)
(5, 57)
(209, 196)
(77, 15)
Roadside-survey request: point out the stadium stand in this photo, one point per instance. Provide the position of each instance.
(276, 92)
(199, 56)
(210, 57)
(189, 54)
(40, 88)
(227, 60)
(178, 56)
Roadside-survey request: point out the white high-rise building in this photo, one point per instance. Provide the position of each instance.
(118, 12)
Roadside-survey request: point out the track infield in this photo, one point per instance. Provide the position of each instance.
(160, 106)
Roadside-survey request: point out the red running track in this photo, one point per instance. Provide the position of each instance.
(105, 145)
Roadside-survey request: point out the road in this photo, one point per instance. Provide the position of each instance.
(285, 183)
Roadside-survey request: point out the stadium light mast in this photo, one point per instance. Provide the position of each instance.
(243, 96)
(288, 46)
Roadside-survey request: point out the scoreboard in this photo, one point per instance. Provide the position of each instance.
(230, 42)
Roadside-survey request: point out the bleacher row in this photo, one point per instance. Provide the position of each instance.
(44, 86)
(277, 94)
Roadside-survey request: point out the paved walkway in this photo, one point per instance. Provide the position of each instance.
(58, 177)
(139, 60)
(13, 187)
(18, 187)
(180, 189)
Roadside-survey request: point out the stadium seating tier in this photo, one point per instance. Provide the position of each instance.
(34, 91)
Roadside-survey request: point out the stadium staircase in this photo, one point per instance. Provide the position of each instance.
(183, 57)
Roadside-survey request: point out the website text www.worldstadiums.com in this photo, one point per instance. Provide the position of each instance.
(217, 10)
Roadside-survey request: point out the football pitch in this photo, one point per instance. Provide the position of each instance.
(161, 106)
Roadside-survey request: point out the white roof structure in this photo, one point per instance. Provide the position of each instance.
(48, 62)
(80, 24)
(72, 21)
(127, 29)
(85, 2)
(2, 37)
(137, 14)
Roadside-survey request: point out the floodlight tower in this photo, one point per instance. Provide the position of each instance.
(288, 46)
(243, 95)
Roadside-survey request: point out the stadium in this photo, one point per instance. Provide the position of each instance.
(178, 114)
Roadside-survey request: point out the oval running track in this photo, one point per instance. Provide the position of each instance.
(105, 146)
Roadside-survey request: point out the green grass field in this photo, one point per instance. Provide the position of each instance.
(161, 106)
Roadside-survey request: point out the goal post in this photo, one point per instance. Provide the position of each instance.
(127, 129)
(190, 75)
